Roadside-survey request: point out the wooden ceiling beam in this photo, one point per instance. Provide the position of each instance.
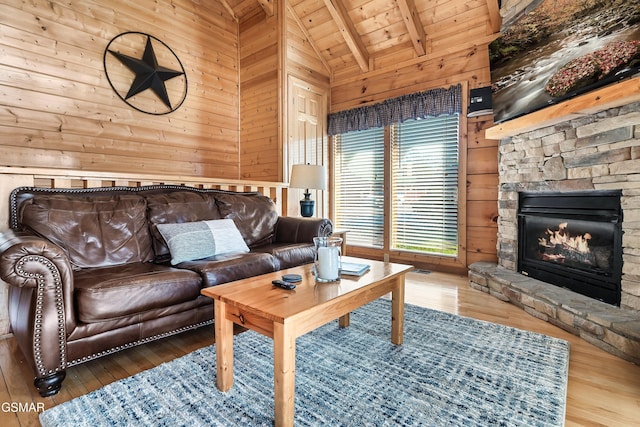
(348, 30)
(267, 6)
(414, 25)
(229, 9)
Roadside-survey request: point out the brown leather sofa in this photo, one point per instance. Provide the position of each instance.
(90, 274)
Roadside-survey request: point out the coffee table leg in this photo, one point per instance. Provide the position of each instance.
(344, 321)
(224, 346)
(284, 364)
(397, 311)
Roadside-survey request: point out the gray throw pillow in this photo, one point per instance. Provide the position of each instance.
(190, 241)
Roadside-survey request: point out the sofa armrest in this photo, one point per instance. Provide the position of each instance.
(40, 279)
(301, 230)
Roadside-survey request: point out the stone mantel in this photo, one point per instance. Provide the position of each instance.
(616, 95)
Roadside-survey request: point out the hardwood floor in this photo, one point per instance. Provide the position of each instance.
(603, 389)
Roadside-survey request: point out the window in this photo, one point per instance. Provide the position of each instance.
(424, 201)
(359, 186)
(424, 179)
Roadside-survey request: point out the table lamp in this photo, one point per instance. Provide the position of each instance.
(308, 176)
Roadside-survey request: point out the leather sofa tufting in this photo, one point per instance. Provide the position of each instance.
(90, 272)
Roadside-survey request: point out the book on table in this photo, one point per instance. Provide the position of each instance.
(354, 268)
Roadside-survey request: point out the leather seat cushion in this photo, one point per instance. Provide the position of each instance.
(109, 293)
(289, 255)
(222, 269)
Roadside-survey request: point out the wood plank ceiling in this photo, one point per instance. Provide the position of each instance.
(351, 34)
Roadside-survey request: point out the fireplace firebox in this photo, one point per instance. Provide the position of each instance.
(573, 240)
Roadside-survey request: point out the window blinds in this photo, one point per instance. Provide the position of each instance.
(359, 186)
(425, 185)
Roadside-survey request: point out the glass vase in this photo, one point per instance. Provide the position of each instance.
(327, 259)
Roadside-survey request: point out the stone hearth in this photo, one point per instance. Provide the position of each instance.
(595, 152)
(612, 329)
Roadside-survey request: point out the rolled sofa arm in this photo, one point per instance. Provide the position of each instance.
(301, 230)
(40, 303)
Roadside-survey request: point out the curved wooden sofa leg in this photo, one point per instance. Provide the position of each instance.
(51, 384)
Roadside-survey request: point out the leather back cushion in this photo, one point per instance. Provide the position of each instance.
(255, 216)
(95, 231)
(178, 207)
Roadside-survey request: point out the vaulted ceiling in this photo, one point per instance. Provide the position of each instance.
(353, 33)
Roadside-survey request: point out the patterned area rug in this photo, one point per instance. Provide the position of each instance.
(451, 370)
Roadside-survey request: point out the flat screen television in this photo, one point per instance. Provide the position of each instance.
(559, 49)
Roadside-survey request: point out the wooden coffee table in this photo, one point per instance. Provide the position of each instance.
(283, 315)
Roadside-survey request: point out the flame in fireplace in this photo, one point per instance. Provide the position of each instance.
(563, 238)
(560, 246)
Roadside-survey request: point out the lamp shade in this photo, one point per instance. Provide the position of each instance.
(308, 176)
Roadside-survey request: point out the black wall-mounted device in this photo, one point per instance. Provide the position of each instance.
(480, 99)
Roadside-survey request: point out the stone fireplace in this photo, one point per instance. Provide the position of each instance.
(593, 155)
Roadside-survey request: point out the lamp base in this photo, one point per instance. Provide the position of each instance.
(306, 208)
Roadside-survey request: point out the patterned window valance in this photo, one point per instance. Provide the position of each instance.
(419, 105)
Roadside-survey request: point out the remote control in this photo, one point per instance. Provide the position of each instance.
(284, 285)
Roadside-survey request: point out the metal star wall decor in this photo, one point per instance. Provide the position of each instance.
(167, 83)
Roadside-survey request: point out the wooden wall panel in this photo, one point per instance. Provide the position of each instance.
(481, 244)
(59, 110)
(263, 76)
(260, 148)
(483, 160)
(483, 213)
(470, 64)
(482, 186)
(482, 192)
(303, 59)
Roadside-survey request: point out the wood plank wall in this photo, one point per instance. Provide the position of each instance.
(263, 83)
(302, 60)
(482, 192)
(260, 137)
(58, 109)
